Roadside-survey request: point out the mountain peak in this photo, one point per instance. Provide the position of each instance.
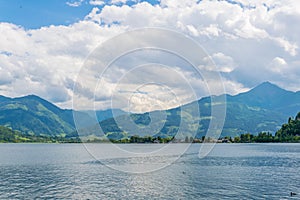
(268, 85)
(33, 96)
(266, 95)
(267, 89)
(32, 114)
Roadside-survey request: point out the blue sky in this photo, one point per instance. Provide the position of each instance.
(33, 14)
(45, 43)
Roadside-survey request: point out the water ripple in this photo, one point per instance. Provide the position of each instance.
(256, 175)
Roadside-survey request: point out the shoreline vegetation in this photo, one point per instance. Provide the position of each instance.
(288, 133)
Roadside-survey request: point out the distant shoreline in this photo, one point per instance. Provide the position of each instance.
(149, 143)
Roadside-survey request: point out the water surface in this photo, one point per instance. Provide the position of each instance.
(230, 171)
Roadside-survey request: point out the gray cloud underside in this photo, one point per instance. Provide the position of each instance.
(249, 42)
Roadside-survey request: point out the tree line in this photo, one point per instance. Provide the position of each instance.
(289, 132)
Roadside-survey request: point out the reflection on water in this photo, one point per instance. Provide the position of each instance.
(231, 171)
(137, 158)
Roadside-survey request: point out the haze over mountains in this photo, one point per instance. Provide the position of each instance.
(264, 108)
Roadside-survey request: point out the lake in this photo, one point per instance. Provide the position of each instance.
(69, 171)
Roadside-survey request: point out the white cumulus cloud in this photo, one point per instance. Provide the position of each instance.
(249, 42)
(74, 3)
(96, 2)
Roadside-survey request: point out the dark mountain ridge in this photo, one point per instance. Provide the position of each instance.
(263, 108)
(270, 96)
(34, 115)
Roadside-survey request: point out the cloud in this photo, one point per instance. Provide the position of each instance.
(249, 42)
(118, 1)
(41, 61)
(74, 3)
(204, 19)
(222, 62)
(278, 65)
(96, 2)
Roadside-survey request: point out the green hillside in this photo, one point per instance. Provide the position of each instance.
(34, 115)
(289, 131)
(240, 118)
(8, 135)
(263, 109)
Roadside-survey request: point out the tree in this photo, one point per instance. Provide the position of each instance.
(289, 132)
(298, 116)
(237, 139)
(203, 138)
(186, 139)
(191, 139)
(246, 138)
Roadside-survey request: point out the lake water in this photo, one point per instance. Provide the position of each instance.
(230, 171)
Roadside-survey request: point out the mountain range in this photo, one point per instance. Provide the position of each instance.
(263, 108)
